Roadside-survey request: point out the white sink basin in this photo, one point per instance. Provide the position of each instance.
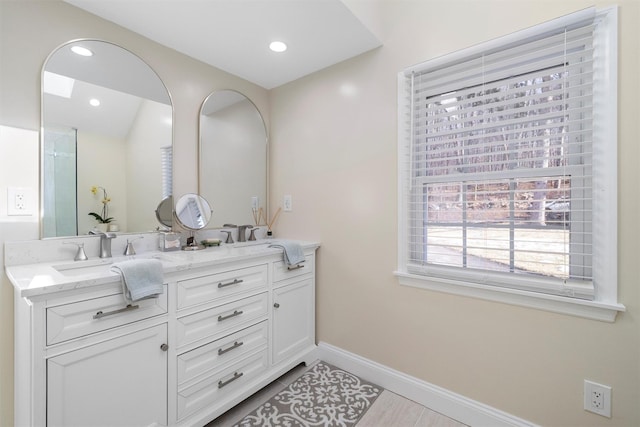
(100, 266)
(83, 268)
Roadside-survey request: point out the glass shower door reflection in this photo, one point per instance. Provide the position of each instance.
(59, 175)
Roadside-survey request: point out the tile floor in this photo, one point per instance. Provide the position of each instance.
(389, 409)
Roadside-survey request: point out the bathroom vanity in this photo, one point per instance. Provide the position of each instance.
(230, 320)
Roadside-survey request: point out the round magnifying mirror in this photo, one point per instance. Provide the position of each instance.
(193, 212)
(164, 212)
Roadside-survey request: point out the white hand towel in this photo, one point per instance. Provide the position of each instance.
(141, 278)
(293, 254)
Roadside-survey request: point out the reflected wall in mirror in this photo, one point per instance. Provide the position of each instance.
(106, 123)
(233, 158)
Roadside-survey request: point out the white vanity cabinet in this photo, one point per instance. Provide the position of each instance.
(118, 382)
(221, 335)
(293, 309)
(229, 323)
(93, 358)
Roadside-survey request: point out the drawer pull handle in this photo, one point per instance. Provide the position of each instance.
(102, 314)
(236, 375)
(229, 316)
(233, 282)
(235, 345)
(276, 305)
(295, 267)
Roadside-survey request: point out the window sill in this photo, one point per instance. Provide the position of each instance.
(594, 310)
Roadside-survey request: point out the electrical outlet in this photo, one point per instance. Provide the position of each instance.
(597, 398)
(287, 203)
(19, 201)
(255, 203)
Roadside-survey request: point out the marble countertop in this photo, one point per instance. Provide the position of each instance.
(43, 278)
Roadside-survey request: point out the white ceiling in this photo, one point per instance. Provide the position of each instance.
(234, 35)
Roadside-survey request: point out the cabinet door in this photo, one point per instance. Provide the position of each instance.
(293, 319)
(119, 382)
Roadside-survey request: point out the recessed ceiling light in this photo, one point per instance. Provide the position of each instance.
(94, 102)
(278, 46)
(82, 51)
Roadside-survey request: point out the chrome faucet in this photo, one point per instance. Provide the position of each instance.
(105, 242)
(242, 232)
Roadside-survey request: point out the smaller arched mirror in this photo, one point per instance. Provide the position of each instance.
(233, 158)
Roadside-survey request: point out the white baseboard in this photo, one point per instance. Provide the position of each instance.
(453, 405)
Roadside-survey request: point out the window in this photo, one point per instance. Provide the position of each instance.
(507, 159)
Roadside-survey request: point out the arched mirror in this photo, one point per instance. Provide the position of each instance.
(233, 159)
(106, 142)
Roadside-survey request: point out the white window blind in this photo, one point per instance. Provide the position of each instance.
(166, 163)
(497, 176)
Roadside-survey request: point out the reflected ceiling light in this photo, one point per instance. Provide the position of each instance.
(82, 51)
(94, 102)
(278, 46)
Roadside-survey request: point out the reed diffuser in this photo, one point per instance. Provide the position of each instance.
(273, 221)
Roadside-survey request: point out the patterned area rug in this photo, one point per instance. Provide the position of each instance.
(323, 396)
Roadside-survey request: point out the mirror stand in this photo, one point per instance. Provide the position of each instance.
(192, 245)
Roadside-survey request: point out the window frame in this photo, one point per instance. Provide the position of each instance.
(604, 305)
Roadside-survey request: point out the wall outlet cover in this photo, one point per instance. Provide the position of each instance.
(19, 201)
(597, 398)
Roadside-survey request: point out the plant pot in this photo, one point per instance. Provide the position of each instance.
(102, 227)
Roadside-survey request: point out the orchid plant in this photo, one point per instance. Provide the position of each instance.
(103, 217)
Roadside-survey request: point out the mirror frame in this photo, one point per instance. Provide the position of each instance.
(42, 128)
(266, 141)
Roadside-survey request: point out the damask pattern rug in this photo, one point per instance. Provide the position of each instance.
(323, 396)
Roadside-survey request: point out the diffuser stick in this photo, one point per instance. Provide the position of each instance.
(273, 220)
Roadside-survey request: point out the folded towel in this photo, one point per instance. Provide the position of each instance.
(141, 278)
(293, 254)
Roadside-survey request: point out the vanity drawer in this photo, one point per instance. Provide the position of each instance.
(214, 389)
(219, 321)
(212, 356)
(207, 288)
(69, 321)
(282, 272)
